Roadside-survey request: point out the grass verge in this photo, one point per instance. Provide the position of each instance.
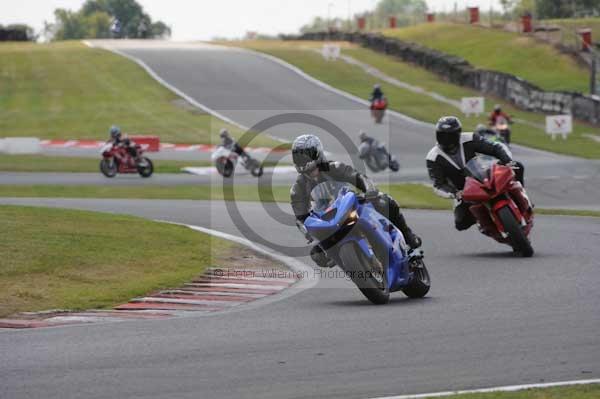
(42, 163)
(66, 90)
(589, 391)
(409, 195)
(501, 51)
(354, 80)
(63, 259)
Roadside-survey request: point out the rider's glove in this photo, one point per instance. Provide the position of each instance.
(512, 164)
(458, 195)
(372, 195)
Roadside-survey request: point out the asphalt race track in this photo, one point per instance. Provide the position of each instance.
(490, 319)
(249, 88)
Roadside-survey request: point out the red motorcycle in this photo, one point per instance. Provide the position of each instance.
(118, 159)
(500, 203)
(378, 107)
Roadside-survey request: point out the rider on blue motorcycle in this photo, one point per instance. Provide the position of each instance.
(313, 168)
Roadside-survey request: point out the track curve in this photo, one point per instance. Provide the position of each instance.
(489, 320)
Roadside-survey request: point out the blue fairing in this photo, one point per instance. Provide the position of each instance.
(372, 233)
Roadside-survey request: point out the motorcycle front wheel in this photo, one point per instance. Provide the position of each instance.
(516, 236)
(257, 171)
(145, 167)
(372, 283)
(109, 167)
(421, 282)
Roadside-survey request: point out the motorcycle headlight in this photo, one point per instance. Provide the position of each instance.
(352, 217)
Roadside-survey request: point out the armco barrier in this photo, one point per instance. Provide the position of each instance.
(20, 145)
(456, 70)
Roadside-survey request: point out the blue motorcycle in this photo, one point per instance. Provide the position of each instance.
(365, 244)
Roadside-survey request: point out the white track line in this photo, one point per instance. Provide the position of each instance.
(327, 87)
(175, 90)
(509, 388)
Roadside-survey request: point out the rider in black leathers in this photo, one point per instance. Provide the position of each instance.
(116, 137)
(313, 169)
(376, 94)
(446, 162)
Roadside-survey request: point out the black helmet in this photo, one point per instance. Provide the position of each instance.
(115, 131)
(307, 153)
(224, 133)
(447, 131)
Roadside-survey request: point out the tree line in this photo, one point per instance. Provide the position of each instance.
(98, 19)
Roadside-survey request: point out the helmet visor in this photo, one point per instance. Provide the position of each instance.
(448, 140)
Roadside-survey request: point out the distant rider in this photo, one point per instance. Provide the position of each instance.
(446, 164)
(376, 94)
(496, 114)
(309, 160)
(116, 137)
(228, 142)
(371, 145)
(488, 133)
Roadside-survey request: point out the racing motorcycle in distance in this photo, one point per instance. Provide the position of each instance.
(117, 159)
(502, 127)
(365, 244)
(225, 161)
(378, 107)
(499, 203)
(377, 159)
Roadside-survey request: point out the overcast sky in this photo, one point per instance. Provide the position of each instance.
(204, 19)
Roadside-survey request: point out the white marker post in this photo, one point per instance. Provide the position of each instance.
(331, 52)
(472, 105)
(559, 124)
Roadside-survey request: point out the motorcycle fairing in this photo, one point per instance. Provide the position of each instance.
(375, 236)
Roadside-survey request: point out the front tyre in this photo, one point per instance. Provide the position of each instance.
(109, 167)
(257, 171)
(372, 283)
(420, 283)
(225, 167)
(516, 236)
(145, 167)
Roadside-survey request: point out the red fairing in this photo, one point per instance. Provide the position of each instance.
(491, 195)
(474, 191)
(380, 104)
(502, 176)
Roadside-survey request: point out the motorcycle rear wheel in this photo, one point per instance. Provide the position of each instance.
(109, 168)
(357, 265)
(516, 236)
(147, 169)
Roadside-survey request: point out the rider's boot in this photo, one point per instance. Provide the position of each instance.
(413, 240)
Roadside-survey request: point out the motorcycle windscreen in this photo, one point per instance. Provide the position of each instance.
(324, 194)
(479, 167)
